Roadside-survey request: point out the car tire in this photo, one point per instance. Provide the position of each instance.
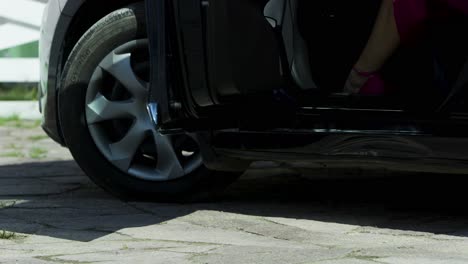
(125, 25)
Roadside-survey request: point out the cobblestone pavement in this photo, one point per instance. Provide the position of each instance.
(51, 213)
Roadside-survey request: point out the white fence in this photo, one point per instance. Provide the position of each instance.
(20, 22)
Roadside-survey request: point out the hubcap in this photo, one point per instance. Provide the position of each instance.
(120, 125)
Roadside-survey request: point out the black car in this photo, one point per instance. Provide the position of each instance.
(173, 100)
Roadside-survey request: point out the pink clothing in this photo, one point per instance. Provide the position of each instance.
(411, 15)
(461, 5)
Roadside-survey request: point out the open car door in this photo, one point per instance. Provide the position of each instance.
(210, 54)
(228, 64)
(228, 60)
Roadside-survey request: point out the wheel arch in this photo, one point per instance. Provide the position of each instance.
(83, 17)
(76, 18)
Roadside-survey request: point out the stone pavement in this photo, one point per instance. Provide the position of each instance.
(51, 213)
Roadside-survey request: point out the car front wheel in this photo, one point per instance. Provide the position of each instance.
(105, 123)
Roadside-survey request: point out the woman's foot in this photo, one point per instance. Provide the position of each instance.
(383, 41)
(355, 82)
(364, 83)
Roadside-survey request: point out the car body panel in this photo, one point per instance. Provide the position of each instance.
(304, 151)
(421, 140)
(69, 8)
(323, 144)
(57, 18)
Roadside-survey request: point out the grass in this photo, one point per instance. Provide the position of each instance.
(27, 124)
(125, 247)
(37, 138)
(13, 146)
(37, 153)
(12, 151)
(30, 125)
(12, 154)
(357, 254)
(5, 235)
(8, 120)
(15, 121)
(18, 92)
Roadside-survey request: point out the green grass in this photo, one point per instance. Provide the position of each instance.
(8, 120)
(5, 235)
(125, 247)
(18, 92)
(34, 124)
(13, 146)
(12, 154)
(26, 124)
(37, 153)
(12, 151)
(15, 121)
(37, 138)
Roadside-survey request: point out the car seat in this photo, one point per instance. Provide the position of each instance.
(282, 15)
(335, 33)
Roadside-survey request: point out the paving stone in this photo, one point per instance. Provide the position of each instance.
(421, 260)
(343, 261)
(36, 188)
(264, 255)
(59, 216)
(129, 256)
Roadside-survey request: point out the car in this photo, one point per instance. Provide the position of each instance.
(174, 100)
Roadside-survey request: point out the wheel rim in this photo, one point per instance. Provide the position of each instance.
(121, 127)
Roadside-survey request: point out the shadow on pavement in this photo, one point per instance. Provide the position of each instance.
(55, 199)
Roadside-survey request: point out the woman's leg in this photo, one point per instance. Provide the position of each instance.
(383, 41)
(397, 20)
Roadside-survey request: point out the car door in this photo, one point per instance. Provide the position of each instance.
(240, 63)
